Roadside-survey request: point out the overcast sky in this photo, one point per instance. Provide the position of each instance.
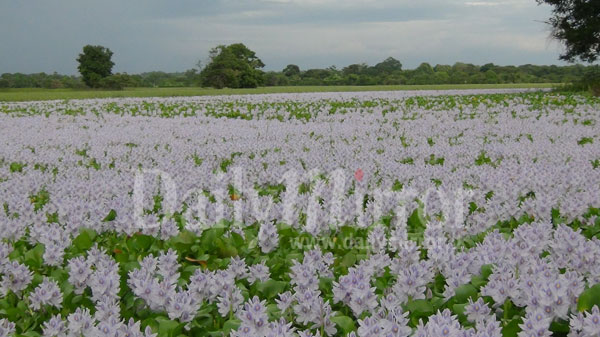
(172, 35)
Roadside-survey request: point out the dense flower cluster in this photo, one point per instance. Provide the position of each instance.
(408, 200)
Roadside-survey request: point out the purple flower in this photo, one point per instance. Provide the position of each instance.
(47, 293)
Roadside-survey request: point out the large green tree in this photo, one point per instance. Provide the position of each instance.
(95, 64)
(576, 23)
(233, 66)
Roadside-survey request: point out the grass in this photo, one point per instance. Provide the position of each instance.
(7, 95)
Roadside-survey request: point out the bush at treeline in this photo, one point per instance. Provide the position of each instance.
(387, 72)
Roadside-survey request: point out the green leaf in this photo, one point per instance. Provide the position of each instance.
(238, 240)
(419, 308)
(464, 292)
(226, 249)
(110, 216)
(34, 256)
(459, 309)
(561, 327)
(232, 324)
(273, 312)
(167, 327)
(512, 329)
(85, 239)
(184, 237)
(487, 270)
(271, 288)
(348, 260)
(325, 284)
(589, 298)
(140, 243)
(345, 323)
(478, 281)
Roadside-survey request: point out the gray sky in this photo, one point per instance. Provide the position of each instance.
(172, 35)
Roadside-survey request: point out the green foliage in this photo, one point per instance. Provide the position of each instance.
(233, 66)
(291, 70)
(94, 65)
(591, 79)
(16, 167)
(589, 298)
(117, 82)
(585, 140)
(576, 23)
(345, 323)
(85, 239)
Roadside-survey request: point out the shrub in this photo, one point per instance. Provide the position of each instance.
(591, 80)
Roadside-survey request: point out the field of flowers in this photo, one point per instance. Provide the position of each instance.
(466, 213)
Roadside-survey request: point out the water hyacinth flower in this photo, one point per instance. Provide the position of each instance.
(80, 271)
(591, 322)
(80, 323)
(355, 291)
(5, 250)
(502, 285)
(377, 239)
(280, 328)
(238, 268)
(7, 328)
(258, 272)
(536, 323)
(268, 238)
(284, 302)
(16, 277)
(253, 317)
(478, 311)
(412, 281)
(441, 324)
(183, 306)
(47, 293)
(55, 327)
(229, 300)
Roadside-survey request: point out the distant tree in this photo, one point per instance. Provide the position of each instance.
(191, 77)
(291, 70)
(465, 67)
(273, 78)
(491, 77)
(355, 69)
(118, 81)
(576, 23)
(233, 66)
(459, 77)
(484, 68)
(442, 68)
(389, 65)
(441, 77)
(319, 74)
(424, 68)
(591, 79)
(95, 64)
(114, 82)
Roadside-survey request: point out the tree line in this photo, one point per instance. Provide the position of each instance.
(292, 75)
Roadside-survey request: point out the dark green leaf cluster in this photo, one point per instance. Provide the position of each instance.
(576, 23)
(233, 66)
(95, 64)
(390, 72)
